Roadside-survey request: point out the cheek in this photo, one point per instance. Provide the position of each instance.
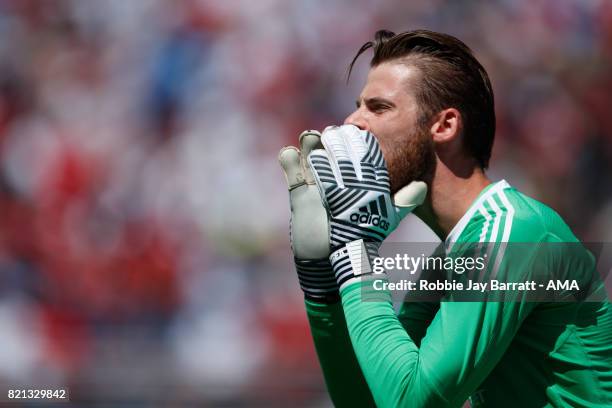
(408, 155)
(389, 137)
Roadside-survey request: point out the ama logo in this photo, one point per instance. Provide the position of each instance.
(374, 213)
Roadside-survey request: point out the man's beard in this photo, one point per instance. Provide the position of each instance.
(409, 158)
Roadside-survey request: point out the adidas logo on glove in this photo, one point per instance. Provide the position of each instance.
(372, 216)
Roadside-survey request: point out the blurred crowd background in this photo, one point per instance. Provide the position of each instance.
(144, 255)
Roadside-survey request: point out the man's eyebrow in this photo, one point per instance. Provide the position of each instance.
(375, 101)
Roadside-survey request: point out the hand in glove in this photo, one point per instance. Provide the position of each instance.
(353, 181)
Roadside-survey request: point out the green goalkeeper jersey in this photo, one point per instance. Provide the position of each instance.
(515, 353)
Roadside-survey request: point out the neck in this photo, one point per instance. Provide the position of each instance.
(450, 196)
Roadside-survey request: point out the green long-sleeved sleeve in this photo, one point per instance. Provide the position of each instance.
(342, 373)
(345, 382)
(463, 344)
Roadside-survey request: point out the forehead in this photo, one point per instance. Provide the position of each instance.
(390, 80)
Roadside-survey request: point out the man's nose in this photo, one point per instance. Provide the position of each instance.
(356, 119)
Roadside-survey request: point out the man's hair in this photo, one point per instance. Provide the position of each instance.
(451, 77)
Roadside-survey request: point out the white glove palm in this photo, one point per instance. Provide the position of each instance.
(309, 228)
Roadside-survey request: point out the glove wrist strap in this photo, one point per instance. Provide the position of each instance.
(317, 280)
(353, 261)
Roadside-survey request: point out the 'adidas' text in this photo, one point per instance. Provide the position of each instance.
(368, 218)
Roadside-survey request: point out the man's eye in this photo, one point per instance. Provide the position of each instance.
(379, 108)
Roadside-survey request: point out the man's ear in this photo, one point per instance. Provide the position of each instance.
(447, 126)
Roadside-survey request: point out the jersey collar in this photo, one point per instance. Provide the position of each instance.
(486, 192)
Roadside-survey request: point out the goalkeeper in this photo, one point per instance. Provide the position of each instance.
(429, 103)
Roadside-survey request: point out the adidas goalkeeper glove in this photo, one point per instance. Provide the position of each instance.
(309, 227)
(353, 181)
